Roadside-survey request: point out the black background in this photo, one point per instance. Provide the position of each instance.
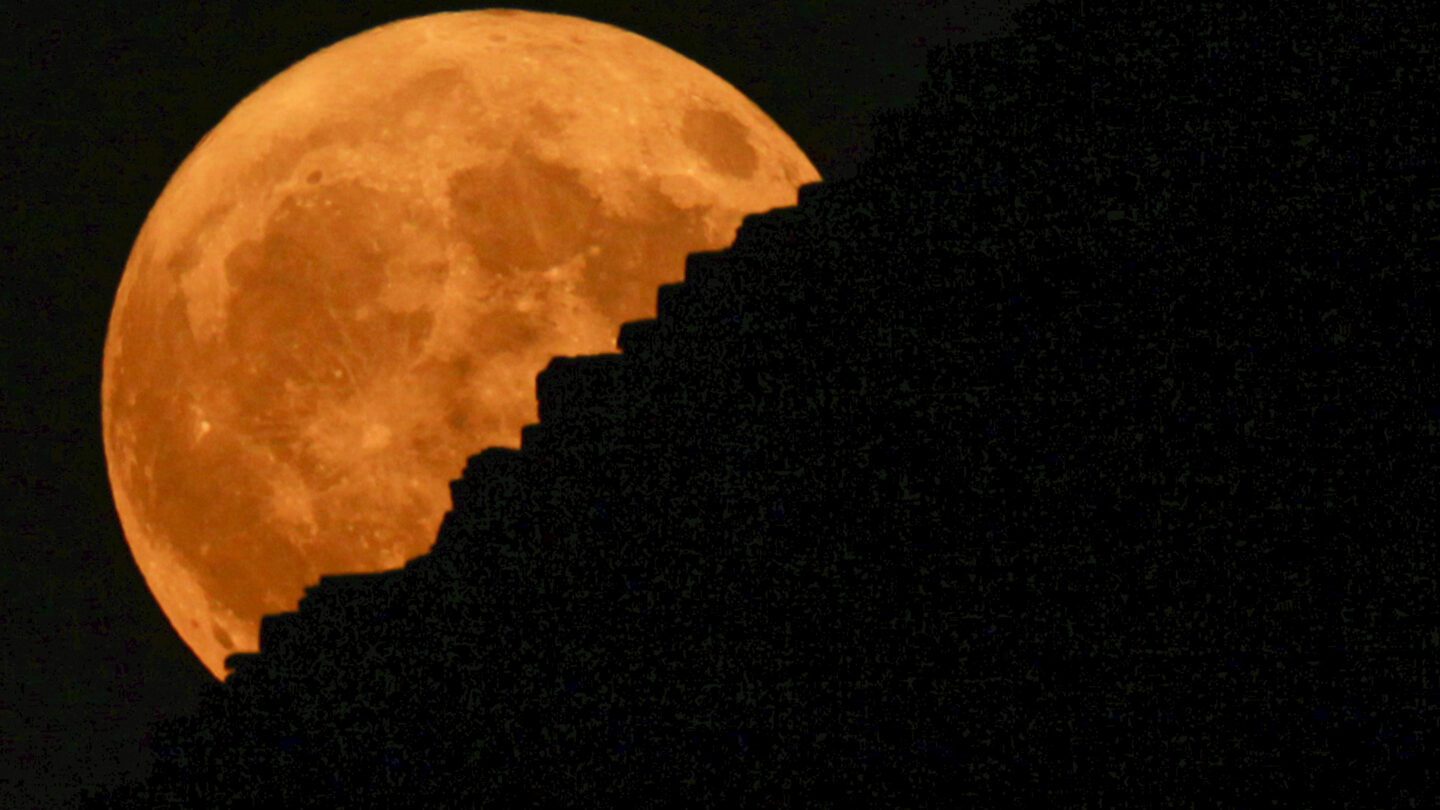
(100, 104)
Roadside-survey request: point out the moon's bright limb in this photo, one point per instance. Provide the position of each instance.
(350, 284)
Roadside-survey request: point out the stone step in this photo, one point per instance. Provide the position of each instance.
(638, 338)
(493, 474)
(810, 192)
(778, 230)
(533, 438)
(704, 267)
(704, 309)
(340, 588)
(279, 630)
(671, 301)
(242, 665)
(575, 384)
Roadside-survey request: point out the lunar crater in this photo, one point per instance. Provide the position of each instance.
(721, 140)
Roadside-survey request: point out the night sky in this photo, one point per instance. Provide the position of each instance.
(100, 106)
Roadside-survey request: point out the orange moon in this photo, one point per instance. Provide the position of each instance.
(349, 285)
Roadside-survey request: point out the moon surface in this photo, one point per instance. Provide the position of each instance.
(349, 285)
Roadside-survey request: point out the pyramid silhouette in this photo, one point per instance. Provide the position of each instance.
(1081, 450)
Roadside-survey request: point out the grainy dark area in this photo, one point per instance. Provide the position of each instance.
(100, 102)
(1080, 451)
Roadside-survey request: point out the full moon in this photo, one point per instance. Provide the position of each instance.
(350, 284)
